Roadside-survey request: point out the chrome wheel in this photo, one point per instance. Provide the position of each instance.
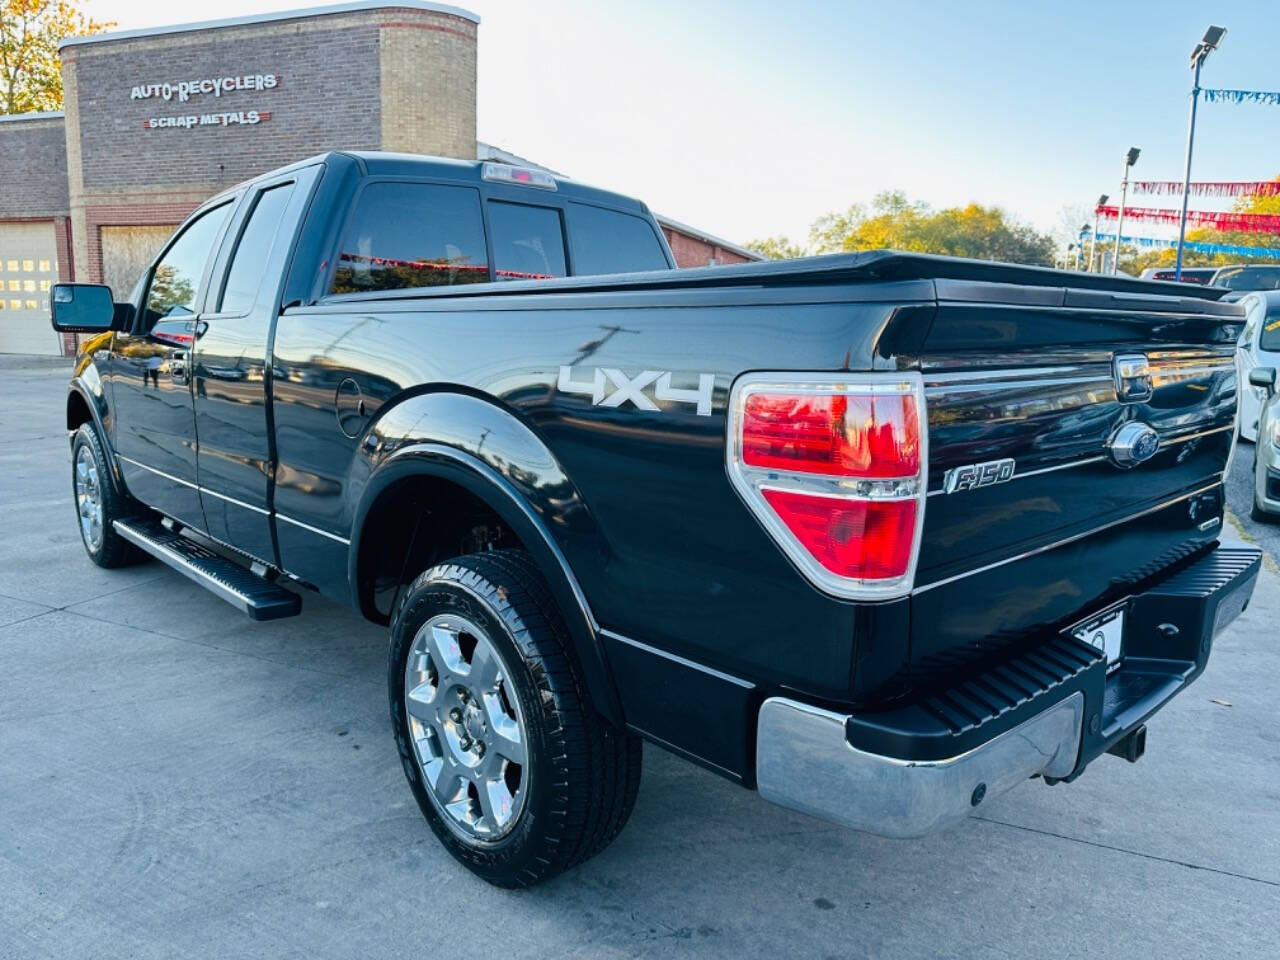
(89, 498)
(469, 738)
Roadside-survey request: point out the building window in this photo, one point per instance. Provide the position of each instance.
(13, 266)
(44, 266)
(28, 265)
(29, 286)
(15, 304)
(33, 305)
(15, 286)
(2, 304)
(44, 284)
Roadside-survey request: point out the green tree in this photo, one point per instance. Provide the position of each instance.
(894, 222)
(777, 247)
(30, 31)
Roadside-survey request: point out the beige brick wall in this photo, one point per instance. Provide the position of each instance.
(428, 84)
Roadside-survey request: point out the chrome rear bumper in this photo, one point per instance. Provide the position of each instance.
(804, 762)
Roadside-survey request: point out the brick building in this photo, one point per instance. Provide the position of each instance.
(157, 120)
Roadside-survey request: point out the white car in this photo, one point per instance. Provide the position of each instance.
(1266, 455)
(1259, 346)
(1247, 276)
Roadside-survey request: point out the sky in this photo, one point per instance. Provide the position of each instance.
(749, 119)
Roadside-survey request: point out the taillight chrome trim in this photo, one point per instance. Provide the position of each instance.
(749, 482)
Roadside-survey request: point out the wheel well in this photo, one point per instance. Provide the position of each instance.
(77, 411)
(415, 523)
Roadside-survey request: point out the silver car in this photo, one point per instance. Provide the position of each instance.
(1266, 463)
(1259, 346)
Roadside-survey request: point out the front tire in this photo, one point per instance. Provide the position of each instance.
(514, 770)
(99, 503)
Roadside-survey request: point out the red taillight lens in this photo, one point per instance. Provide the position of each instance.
(848, 435)
(860, 539)
(834, 467)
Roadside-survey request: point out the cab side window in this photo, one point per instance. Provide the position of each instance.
(608, 241)
(406, 235)
(176, 278)
(249, 264)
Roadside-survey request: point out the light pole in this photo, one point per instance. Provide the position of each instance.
(1084, 232)
(1093, 247)
(1212, 39)
(1130, 159)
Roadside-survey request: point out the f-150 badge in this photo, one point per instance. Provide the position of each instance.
(974, 475)
(610, 387)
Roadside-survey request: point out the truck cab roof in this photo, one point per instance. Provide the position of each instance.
(379, 163)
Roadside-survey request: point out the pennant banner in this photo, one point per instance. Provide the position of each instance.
(1210, 188)
(1242, 96)
(1244, 222)
(1230, 250)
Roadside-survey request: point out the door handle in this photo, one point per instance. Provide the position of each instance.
(178, 366)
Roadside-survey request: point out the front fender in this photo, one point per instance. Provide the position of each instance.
(87, 388)
(487, 450)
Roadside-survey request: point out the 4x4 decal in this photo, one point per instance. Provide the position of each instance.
(610, 387)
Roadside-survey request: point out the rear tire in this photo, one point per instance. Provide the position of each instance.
(487, 700)
(99, 503)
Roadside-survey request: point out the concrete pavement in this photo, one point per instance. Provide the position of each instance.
(178, 781)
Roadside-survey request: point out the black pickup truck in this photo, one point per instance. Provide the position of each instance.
(879, 535)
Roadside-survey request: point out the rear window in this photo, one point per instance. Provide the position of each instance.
(607, 241)
(405, 235)
(1188, 276)
(1249, 278)
(528, 241)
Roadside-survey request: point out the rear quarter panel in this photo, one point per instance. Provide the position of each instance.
(662, 547)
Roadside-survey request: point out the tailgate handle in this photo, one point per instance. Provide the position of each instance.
(1132, 374)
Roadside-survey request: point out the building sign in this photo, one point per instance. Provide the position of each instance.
(183, 90)
(238, 118)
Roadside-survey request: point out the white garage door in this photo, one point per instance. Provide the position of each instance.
(28, 267)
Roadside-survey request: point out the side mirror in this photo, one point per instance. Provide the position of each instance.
(82, 308)
(1263, 377)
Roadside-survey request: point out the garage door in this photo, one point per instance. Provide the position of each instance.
(28, 267)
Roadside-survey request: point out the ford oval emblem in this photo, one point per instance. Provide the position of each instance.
(1134, 443)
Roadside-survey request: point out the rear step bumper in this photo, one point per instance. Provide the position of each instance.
(1049, 710)
(243, 589)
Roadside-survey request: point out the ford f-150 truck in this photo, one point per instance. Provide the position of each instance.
(880, 535)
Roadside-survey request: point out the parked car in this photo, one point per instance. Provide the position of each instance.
(880, 535)
(1200, 275)
(1247, 276)
(1259, 346)
(1266, 456)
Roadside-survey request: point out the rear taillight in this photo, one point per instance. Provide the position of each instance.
(834, 467)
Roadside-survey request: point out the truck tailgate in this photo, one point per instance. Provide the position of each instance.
(1032, 376)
